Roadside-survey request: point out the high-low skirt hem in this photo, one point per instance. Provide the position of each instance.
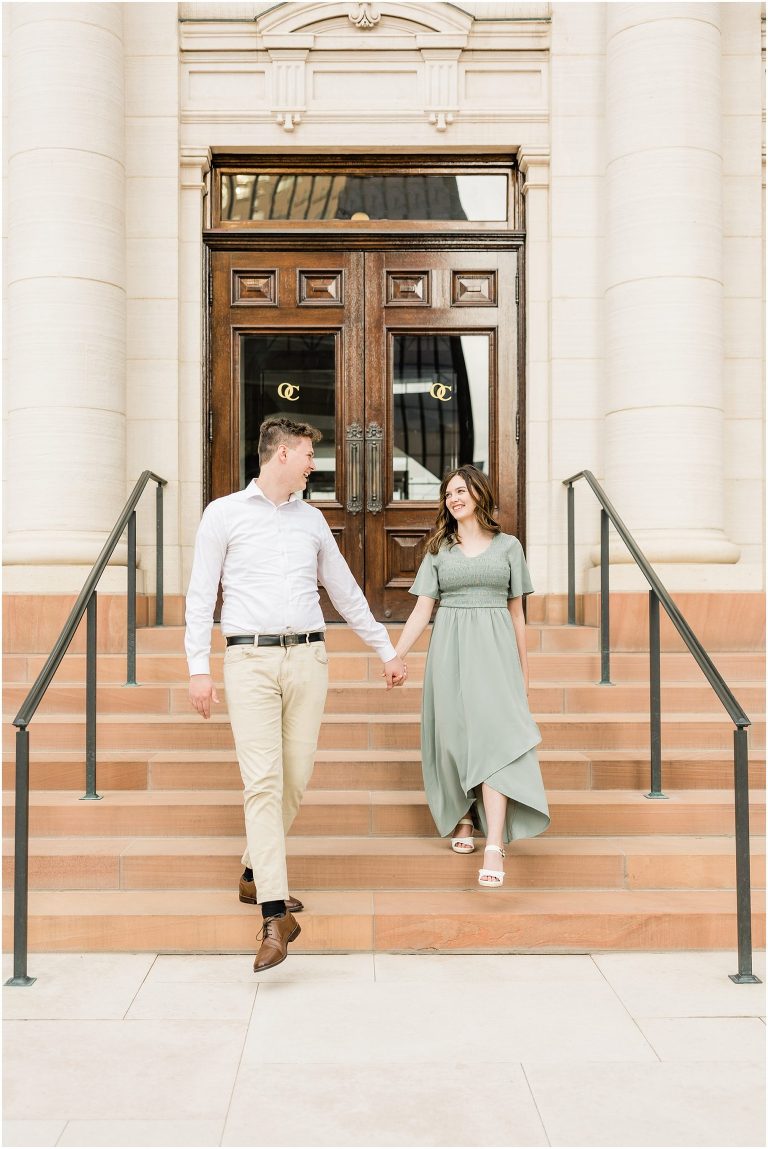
(476, 725)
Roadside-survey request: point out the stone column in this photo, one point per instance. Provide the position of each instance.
(664, 281)
(66, 291)
(534, 165)
(194, 216)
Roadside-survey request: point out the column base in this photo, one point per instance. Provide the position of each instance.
(65, 579)
(681, 577)
(674, 547)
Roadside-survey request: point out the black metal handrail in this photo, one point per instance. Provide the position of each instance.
(86, 604)
(659, 595)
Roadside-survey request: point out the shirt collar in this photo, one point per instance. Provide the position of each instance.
(254, 491)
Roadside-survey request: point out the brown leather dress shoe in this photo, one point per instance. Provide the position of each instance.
(276, 934)
(248, 895)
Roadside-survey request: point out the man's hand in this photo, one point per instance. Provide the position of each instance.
(395, 671)
(201, 693)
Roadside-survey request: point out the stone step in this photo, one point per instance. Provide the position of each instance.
(402, 813)
(372, 697)
(171, 668)
(597, 731)
(339, 637)
(338, 863)
(377, 770)
(721, 620)
(493, 921)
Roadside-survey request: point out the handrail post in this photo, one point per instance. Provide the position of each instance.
(90, 794)
(571, 558)
(654, 647)
(131, 672)
(159, 605)
(605, 604)
(21, 862)
(743, 881)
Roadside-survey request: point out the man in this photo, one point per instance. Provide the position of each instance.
(269, 549)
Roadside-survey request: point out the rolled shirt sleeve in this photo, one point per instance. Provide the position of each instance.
(349, 600)
(210, 550)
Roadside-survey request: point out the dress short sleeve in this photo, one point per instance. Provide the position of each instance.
(519, 578)
(426, 581)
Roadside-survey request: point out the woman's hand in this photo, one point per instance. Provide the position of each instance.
(399, 679)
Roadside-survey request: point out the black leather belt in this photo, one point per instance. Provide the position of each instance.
(276, 639)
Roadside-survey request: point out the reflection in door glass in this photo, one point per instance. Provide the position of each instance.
(292, 375)
(440, 386)
(320, 196)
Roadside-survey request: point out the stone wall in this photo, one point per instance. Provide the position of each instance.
(638, 132)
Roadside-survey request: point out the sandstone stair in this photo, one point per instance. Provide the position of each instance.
(154, 864)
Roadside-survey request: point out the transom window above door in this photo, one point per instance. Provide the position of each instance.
(467, 193)
(255, 196)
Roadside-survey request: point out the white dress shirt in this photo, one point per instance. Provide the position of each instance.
(269, 560)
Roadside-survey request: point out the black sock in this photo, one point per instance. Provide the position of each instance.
(273, 909)
(247, 875)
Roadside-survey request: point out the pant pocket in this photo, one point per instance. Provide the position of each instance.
(320, 653)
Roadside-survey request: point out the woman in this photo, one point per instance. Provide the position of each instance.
(477, 734)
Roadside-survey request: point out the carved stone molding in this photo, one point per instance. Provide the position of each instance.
(441, 74)
(422, 66)
(289, 85)
(533, 163)
(195, 164)
(365, 16)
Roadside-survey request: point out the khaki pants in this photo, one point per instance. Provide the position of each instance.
(275, 698)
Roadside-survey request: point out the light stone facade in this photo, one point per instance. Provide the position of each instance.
(638, 130)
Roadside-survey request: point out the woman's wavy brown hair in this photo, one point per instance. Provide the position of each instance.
(479, 488)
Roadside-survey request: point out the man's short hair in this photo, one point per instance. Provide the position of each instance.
(279, 429)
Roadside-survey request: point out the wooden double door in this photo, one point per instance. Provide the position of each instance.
(406, 360)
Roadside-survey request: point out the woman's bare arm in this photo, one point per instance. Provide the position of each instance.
(418, 620)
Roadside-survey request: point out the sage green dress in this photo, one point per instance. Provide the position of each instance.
(475, 723)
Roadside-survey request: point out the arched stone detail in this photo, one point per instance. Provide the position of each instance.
(320, 19)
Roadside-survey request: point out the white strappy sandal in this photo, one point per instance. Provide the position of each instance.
(463, 845)
(492, 879)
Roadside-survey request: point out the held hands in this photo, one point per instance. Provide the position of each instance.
(201, 693)
(395, 672)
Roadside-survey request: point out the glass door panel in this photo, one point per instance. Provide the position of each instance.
(440, 409)
(440, 391)
(291, 374)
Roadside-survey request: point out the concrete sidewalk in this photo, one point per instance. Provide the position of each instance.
(618, 1049)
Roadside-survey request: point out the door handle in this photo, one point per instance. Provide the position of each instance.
(374, 438)
(354, 447)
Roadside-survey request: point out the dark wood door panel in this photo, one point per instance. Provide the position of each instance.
(423, 349)
(286, 337)
(441, 383)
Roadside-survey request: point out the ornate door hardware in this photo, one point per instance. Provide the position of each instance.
(374, 440)
(354, 448)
